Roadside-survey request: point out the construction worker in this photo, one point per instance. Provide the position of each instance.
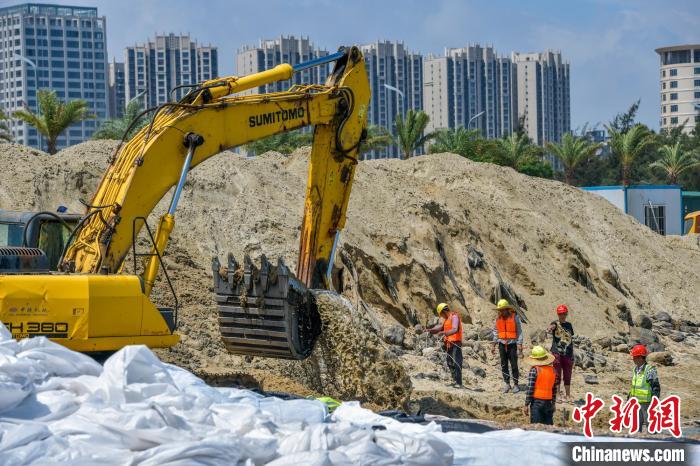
(645, 382)
(450, 328)
(508, 336)
(541, 387)
(563, 347)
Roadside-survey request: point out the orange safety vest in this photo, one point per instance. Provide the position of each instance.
(544, 383)
(455, 338)
(507, 330)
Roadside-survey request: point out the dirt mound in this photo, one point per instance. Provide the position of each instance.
(350, 360)
(434, 228)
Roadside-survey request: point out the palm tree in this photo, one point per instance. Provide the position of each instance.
(115, 128)
(409, 131)
(572, 151)
(378, 138)
(462, 141)
(516, 151)
(627, 146)
(5, 134)
(674, 161)
(54, 116)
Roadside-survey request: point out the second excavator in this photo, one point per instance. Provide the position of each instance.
(90, 304)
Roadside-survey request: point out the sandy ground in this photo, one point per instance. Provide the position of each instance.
(411, 227)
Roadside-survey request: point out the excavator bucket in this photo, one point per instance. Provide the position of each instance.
(265, 311)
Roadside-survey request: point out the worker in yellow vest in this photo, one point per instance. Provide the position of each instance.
(450, 329)
(508, 337)
(645, 382)
(542, 386)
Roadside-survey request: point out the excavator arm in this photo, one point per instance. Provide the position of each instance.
(207, 121)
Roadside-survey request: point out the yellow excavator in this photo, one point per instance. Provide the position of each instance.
(90, 304)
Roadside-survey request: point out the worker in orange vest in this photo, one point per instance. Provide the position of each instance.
(450, 328)
(508, 337)
(542, 385)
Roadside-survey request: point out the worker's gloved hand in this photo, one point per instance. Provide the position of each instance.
(441, 333)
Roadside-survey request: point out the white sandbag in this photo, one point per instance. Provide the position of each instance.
(306, 411)
(13, 391)
(56, 360)
(315, 458)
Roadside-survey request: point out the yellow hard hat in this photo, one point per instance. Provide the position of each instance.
(540, 356)
(503, 304)
(442, 307)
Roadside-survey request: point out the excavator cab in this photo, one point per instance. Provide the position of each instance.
(32, 242)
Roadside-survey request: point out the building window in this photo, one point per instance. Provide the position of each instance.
(655, 218)
(663, 97)
(697, 94)
(674, 84)
(697, 83)
(673, 72)
(696, 70)
(674, 96)
(674, 120)
(663, 85)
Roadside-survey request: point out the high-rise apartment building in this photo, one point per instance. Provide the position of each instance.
(286, 49)
(680, 86)
(117, 89)
(542, 95)
(57, 47)
(161, 65)
(396, 81)
(470, 87)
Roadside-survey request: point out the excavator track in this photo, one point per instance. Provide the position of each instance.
(265, 311)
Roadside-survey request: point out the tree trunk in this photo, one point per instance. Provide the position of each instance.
(568, 176)
(625, 175)
(52, 146)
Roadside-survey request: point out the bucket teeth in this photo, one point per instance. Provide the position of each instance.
(265, 311)
(264, 272)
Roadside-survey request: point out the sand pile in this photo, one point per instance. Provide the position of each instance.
(434, 228)
(350, 360)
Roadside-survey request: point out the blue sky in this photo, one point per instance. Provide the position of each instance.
(609, 43)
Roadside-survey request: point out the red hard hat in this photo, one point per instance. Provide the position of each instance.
(639, 350)
(562, 309)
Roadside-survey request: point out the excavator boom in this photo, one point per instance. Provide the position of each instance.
(181, 135)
